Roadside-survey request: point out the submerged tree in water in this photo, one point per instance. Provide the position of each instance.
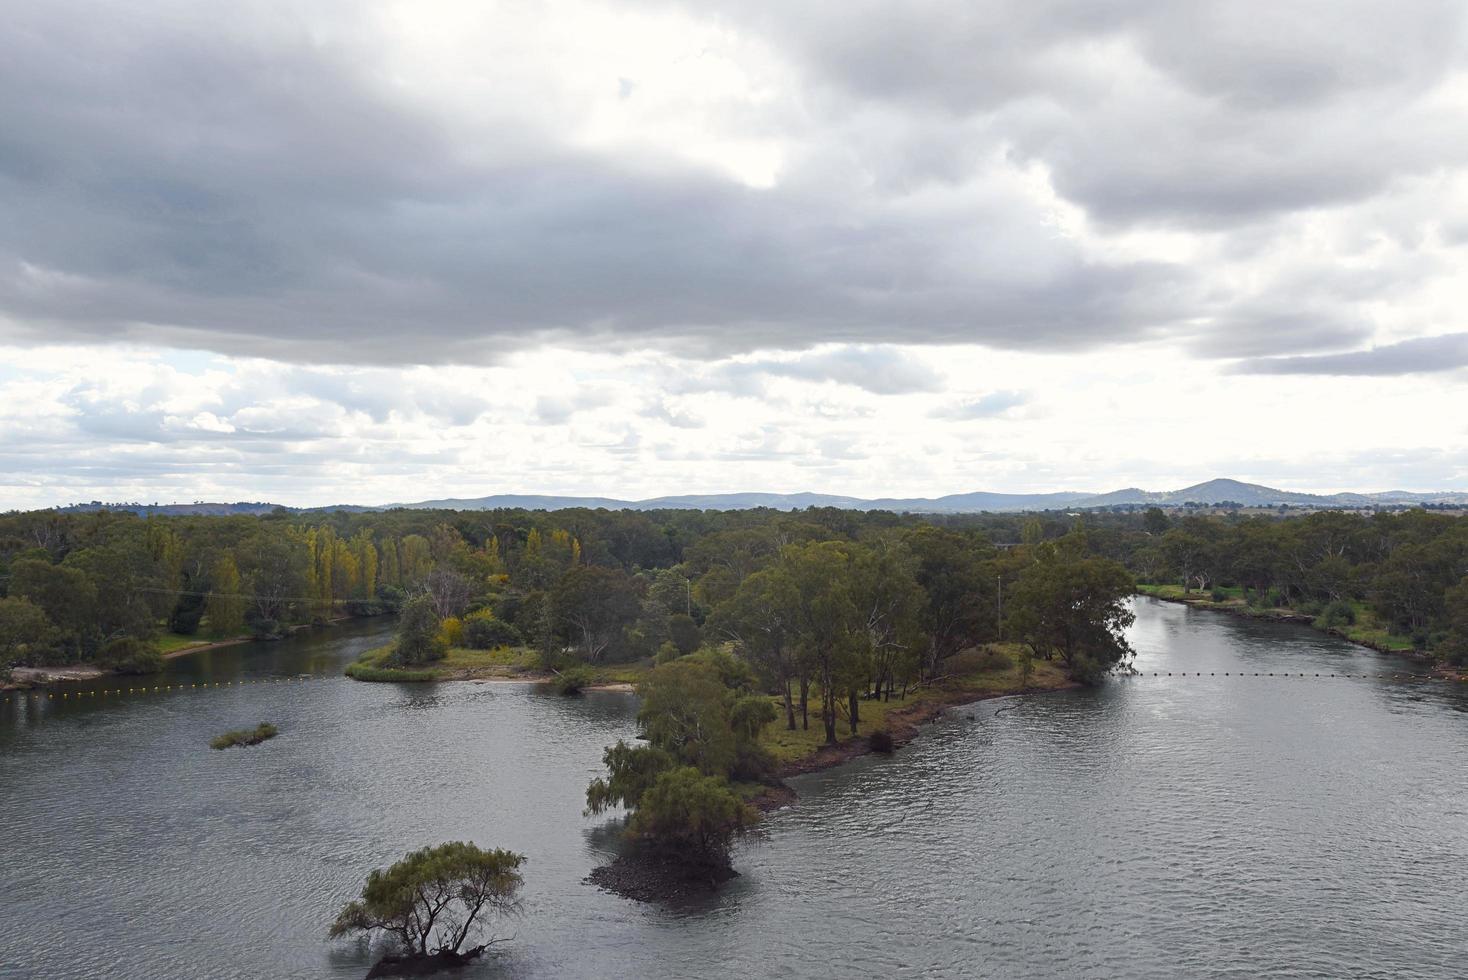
(436, 898)
(691, 818)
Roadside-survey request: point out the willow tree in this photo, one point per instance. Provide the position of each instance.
(434, 899)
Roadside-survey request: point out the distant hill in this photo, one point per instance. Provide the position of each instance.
(200, 509)
(1212, 492)
(1255, 495)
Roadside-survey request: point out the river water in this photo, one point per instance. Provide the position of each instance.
(1155, 827)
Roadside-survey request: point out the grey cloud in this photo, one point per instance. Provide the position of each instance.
(1423, 355)
(983, 407)
(253, 192)
(879, 370)
(1177, 112)
(660, 409)
(260, 190)
(1263, 333)
(557, 409)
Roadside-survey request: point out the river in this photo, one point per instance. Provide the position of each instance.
(1155, 827)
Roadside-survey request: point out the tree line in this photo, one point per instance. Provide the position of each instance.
(828, 604)
(1406, 570)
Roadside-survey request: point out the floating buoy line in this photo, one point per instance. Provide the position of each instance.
(37, 696)
(1281, 675)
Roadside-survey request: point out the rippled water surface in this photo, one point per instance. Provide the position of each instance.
(1156, 827)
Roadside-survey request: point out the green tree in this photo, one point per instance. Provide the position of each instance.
(435, 898)
(1455, 644)
(26, 635)
(1075, 607)
(225, 605)
(631, 771)
(592, 605)
(691, 818)
(1155, 521)
(889, 605)
(65, 595)
(824, 618)
(959, 610)
(685, 712)
(684, 633)
(418, 639)
(759, 618)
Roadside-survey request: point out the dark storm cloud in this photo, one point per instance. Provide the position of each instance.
(256, 191)
(1423, 355)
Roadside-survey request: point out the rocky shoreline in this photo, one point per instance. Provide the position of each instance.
(644, 879)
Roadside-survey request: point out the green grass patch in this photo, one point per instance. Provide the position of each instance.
(244, 736)
(1368, 630)
(464, 662)
(172, 643)
(389, 675)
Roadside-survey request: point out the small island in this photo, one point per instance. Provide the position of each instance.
(244, 736)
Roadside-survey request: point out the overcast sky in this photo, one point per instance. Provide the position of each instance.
(346, 251)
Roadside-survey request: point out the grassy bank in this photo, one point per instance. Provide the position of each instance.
(1367, 630)
(463, 664)
(975, 676)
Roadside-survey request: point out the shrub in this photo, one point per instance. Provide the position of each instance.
(667, 653)
(365, 607)
(391, 598)
(451, 632)
(881, 741)
(418, 637)
(573, 680)
(388, 675)
(265, 629)
(483, 631)
(1218, 594)
(130, 655)
(1337, 614)
(244, 736)
(684, 633)
(977, 660)
(184, 620)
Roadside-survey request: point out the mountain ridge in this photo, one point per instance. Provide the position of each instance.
(1209, 492)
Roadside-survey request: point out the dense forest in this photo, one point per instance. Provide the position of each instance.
(607, 586)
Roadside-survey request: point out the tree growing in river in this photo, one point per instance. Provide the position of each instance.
(436, 898)
(691, 818)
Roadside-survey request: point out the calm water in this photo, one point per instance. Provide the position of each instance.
(1157, 827)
